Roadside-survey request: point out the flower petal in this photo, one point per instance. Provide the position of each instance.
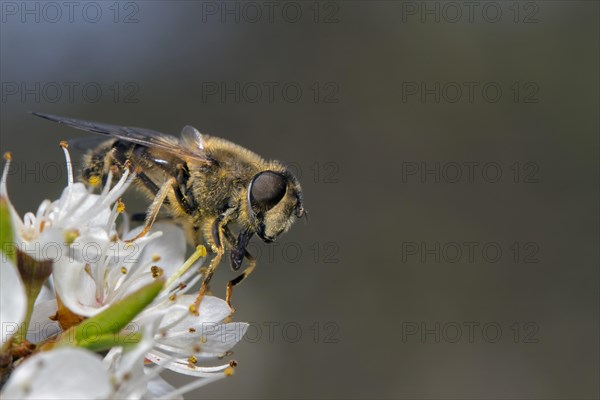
(13, 301)
(158, 388)
(212, 310)
(64, 373)
(168, 253)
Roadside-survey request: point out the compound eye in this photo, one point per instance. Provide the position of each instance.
(266, 190)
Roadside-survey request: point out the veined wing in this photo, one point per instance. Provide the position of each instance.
(184, 147)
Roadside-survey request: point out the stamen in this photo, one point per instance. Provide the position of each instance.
(64, 205)
(94, 180)
(120, 187)
(70, 236)
(65, 147)
(8, 158)
(120, 206)
(156, 271)
(200, 252)
(106, 188)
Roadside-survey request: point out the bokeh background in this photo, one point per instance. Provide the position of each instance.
(395, 287)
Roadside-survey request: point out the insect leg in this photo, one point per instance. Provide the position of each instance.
(183, 176)
(216, 230)
(118, 153)
(181, 199)
(240, 278)
(155, 208)
(238, 251)
(239, 248)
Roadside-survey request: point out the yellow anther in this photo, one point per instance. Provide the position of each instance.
(120, 206)
(192, 360)
(228, 371)
(155, 258)
(70, 236)
(64, 144)
(8, 156)
(94, 180)
(201, 250)
(123, 270)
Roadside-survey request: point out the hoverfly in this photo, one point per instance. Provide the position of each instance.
(205, 182)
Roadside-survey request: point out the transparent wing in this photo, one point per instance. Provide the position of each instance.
(191, 138)
(84, 143)
(141, 136)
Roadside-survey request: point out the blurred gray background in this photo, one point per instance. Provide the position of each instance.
(448, 154)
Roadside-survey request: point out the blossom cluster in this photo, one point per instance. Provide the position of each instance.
(86, 312)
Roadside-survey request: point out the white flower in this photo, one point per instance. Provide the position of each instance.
(93, 268)
(183, 339)
(65, 373)
(77, 213)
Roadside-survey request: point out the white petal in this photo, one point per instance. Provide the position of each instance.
(59, 374)
(212, 310)
(76, 288)
(169, 249)
(13, 301)
(204, 331)
(158, 387)
(219, 339)
(80, 205)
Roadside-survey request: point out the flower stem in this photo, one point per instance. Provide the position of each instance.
(33, 273)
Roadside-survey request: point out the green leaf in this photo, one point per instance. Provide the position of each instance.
(106, 342)
(117, 316)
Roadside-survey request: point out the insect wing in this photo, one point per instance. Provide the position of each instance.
(141, 136)
(191, 139)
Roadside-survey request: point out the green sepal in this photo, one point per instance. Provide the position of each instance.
(117, 316)
(107, 342)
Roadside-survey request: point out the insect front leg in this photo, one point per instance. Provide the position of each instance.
(238, 246)
(240, 278)
(238, 253)
(215, 228)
